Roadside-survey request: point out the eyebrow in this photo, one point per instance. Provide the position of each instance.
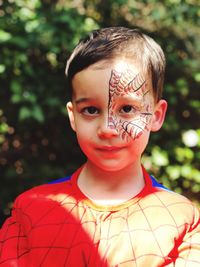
(83, 99)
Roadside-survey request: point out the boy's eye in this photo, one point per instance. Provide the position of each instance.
(90, 110)
(127, 109)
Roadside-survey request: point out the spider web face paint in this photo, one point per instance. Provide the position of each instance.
(128, 84)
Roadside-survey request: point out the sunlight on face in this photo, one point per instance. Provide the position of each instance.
(120, 66)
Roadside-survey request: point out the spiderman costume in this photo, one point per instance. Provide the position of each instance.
(56, 225)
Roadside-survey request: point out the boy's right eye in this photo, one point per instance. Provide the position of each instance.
(90, 110)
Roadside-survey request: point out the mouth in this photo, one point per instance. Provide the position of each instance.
(110, 148)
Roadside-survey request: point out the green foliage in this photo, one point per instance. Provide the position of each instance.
(36, 37)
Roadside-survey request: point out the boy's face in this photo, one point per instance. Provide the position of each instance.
(113, 112)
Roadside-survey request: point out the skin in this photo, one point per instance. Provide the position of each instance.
(113, 112)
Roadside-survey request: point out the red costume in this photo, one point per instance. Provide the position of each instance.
(56, 225)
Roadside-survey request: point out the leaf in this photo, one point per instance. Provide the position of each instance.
(38, 114)
(2, 68)
(4, 36)
(197, 77)
(160, 157)
(24, 113)
(16, 86)
(15, 98)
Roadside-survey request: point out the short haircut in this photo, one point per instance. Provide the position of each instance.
(119, 42)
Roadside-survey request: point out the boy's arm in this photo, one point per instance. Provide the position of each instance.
(13, 241)
(189, 249)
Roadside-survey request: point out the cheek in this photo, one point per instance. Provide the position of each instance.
(82, 134)
(131, 128)
(85, 136)
(139, 144)
(83, 142)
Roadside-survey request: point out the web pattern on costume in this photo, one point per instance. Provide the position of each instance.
(123, 84)
(61, 230)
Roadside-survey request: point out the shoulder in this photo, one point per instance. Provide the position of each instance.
(43, 204)
(51, 198)
(43, 193)
(179, 207)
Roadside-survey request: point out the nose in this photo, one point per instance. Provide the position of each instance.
(107, 127)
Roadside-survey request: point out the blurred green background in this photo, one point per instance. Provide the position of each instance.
(37, 36)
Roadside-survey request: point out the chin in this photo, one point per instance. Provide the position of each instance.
(111, 166)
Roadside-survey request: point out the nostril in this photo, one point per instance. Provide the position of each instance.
(107, 131)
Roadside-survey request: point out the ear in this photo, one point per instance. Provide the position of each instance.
(159, 115)
(70, 111)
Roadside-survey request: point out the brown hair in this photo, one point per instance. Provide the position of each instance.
(112, 42)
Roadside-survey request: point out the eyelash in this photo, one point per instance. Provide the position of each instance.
(85, 111)
(131, 111)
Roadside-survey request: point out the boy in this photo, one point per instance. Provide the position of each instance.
(110, 212)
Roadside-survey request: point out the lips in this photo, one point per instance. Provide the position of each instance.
(109, 148)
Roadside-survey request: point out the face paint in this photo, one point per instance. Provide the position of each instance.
(126, 84)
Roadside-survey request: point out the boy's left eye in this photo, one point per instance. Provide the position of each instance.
(127, 109)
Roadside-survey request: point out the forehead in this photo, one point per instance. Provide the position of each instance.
(118, 64)
(100, 74)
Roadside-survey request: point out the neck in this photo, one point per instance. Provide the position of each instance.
(108, 187)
